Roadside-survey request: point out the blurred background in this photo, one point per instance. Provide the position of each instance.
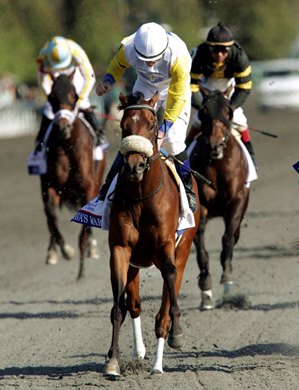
(268, 31)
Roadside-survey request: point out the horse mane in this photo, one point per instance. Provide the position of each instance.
(136, 98)
(214, 105)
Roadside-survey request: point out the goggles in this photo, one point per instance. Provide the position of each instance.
(219, 49)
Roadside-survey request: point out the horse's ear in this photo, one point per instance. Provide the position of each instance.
(154, 99)
(204, 91)
(123, 99)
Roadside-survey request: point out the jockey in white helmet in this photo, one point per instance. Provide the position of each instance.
(162, 63)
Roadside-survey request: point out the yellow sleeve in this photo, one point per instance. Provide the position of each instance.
(118, 64)
(86, 69)
(177, 93)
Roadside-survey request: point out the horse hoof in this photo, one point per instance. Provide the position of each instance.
(68, 252)
(52, 257)
(112, 369)
(206, 304)
(140, 354)
(156, 372)
(177, 341)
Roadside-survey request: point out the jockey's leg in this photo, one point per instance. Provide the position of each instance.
(90, 116)
(39, 140)
(185, 175)
(192, 134)
(115, 168)
(246, 139)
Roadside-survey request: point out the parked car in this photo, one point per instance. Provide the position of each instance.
(278, 86)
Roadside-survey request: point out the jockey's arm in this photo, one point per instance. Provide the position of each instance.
(179, 88)
(114, 72)
(45, 81)
(85, 67)
(243, 79)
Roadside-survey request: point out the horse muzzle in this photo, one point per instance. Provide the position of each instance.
(217, 151)
(65, 129)
(135, 168)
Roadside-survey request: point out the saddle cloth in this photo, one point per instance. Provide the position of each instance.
(96, 213)
(252, 174)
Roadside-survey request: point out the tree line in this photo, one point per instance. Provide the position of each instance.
(266, 29)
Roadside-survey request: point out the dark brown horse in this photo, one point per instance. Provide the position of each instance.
(73, 177)
(219, 157)
(142, 233)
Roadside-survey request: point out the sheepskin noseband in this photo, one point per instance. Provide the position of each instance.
(136, 143)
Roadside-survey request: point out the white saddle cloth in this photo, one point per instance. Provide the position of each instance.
(96, 213)
(252, 174)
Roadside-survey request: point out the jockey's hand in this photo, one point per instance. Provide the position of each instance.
(163, 130)
(102, 88)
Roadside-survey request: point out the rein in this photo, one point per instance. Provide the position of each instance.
(147, 196)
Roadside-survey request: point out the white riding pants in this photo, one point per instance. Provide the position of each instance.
(174, 140)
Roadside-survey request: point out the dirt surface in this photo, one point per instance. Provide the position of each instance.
(55, 332)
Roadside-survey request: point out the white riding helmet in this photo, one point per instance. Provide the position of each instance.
(150, 42)
(58, 53)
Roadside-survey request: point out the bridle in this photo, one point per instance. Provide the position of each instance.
(147, 159)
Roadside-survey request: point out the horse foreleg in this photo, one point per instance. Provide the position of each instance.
(134, 307)
(83, 242)
(202, 257)
(51, 201)
(167, 320)
(231, 235)
(118, 275)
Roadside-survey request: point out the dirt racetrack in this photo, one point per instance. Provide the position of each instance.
(55, 332)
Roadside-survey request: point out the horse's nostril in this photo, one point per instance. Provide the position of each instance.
(140, 168)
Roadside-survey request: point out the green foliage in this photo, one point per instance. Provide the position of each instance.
(265, 29)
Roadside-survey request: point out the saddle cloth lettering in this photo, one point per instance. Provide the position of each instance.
(96, 213)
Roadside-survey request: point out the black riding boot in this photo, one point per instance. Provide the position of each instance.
(185, 175)
(39, 140)
(90, 116)
(249, 147)
(115, 168)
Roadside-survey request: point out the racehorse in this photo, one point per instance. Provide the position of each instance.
(142, 233)
(73, 177)
(219, 157)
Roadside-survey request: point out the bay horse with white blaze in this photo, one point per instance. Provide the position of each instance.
(73, 177)
(219, 157)
(142, 233)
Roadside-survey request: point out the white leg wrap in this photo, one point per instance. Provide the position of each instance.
(159, 356)
(207, 292)
(138, 346)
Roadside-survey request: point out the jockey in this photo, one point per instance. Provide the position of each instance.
(221, 63)
(64, 56)
(162, 63)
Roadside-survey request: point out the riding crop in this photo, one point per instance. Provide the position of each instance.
(195, 173)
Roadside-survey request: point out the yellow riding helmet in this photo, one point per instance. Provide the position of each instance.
(59, 54)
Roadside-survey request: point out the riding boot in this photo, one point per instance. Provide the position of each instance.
(39, 140)
(91, 118)
(249, 147)
(115, 168)
(185, 175)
